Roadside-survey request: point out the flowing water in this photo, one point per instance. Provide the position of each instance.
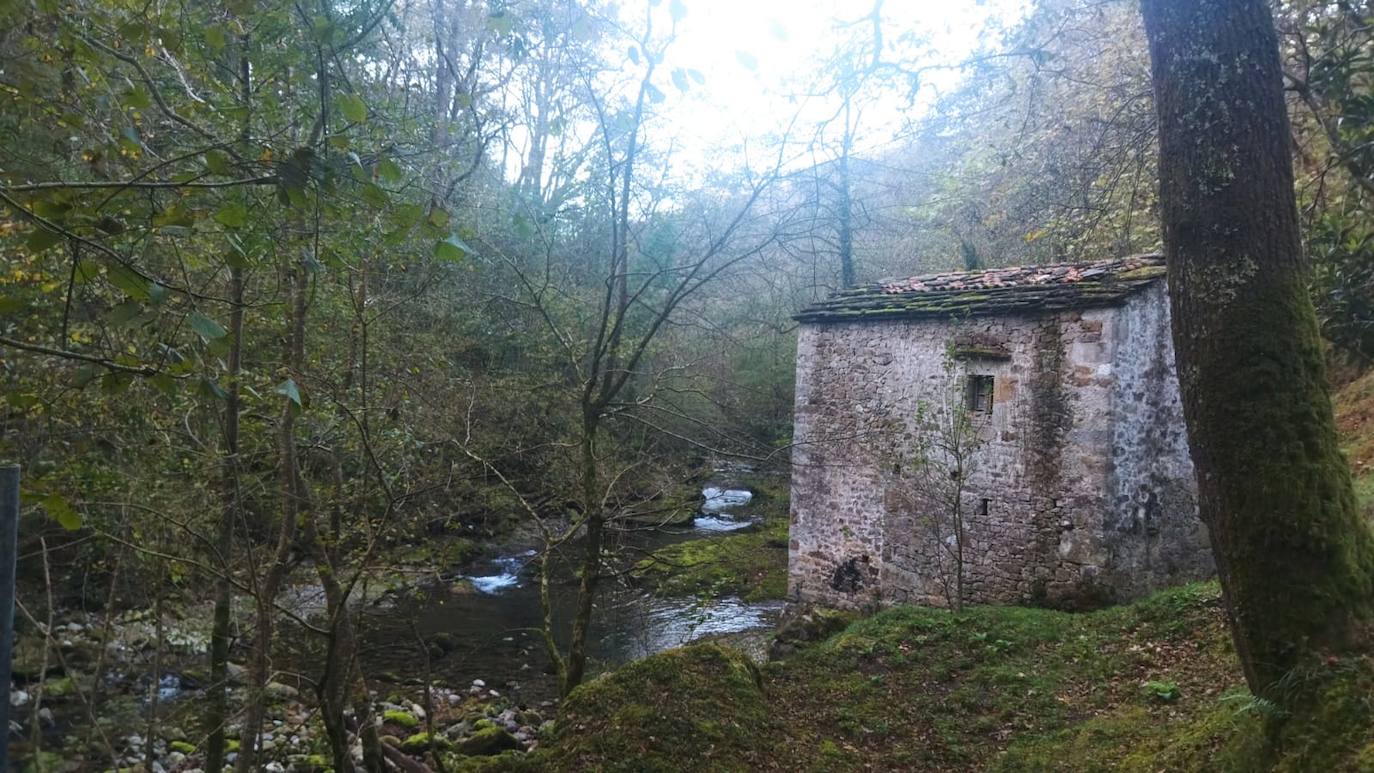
(487, 625)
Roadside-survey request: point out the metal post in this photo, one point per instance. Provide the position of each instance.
(9, 537)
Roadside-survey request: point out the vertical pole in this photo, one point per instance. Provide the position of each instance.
(9, 535)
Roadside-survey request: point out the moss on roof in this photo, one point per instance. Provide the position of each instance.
(1023, 290)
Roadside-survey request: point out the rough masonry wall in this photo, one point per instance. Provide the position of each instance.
(1074, 518)
(1151, 532)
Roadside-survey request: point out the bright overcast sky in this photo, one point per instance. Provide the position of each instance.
(787, 37)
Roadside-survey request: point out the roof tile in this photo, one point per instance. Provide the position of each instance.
(1022, 290)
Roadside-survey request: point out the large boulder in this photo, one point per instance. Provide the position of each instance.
(488, 741)
(805, 627)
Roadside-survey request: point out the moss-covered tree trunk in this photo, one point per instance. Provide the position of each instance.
(1295, 557)
(574, 667)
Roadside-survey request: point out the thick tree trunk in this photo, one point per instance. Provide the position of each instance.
(1295, 557)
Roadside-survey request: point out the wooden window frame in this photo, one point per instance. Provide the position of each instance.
(978, 393)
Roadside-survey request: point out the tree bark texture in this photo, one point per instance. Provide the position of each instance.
(576, 662)
(1294, 554)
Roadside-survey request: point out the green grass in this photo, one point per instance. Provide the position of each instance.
(928, 689)
(1354, 406)
(925, 689)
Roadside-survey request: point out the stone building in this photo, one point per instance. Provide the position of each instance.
(1073, 480)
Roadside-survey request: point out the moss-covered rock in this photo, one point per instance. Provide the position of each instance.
(441, 644)
(487, 741)
(804, 627)
(402, 719)
(276, 691)
(752, 565)
(58, 688)
(417, 743)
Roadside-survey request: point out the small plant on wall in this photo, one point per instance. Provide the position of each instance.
(947, 438)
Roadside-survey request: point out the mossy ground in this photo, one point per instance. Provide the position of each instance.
(999, 687)
(699, 707)
(1145, 687)
(752, 565)
(1354, 405)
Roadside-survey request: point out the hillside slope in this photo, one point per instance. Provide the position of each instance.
(1146, 687)
(924, 689)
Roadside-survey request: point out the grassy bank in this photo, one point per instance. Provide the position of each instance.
(752, 565)
(1145, 687)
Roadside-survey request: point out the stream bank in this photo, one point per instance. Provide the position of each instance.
(452, 654)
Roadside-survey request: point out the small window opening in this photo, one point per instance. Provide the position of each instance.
(984, 505)
(978, 397)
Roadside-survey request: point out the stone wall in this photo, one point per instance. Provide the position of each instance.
(1083, 461)
(1152, 535)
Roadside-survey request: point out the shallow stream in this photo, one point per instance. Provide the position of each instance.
(488, 624)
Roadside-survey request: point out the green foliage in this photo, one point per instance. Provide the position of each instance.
(1342, 248)
(1166, 692)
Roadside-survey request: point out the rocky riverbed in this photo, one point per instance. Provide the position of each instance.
(148, 700)
(452, 657)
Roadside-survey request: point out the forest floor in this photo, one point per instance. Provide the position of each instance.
(1354, 405)
(1149, 686)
